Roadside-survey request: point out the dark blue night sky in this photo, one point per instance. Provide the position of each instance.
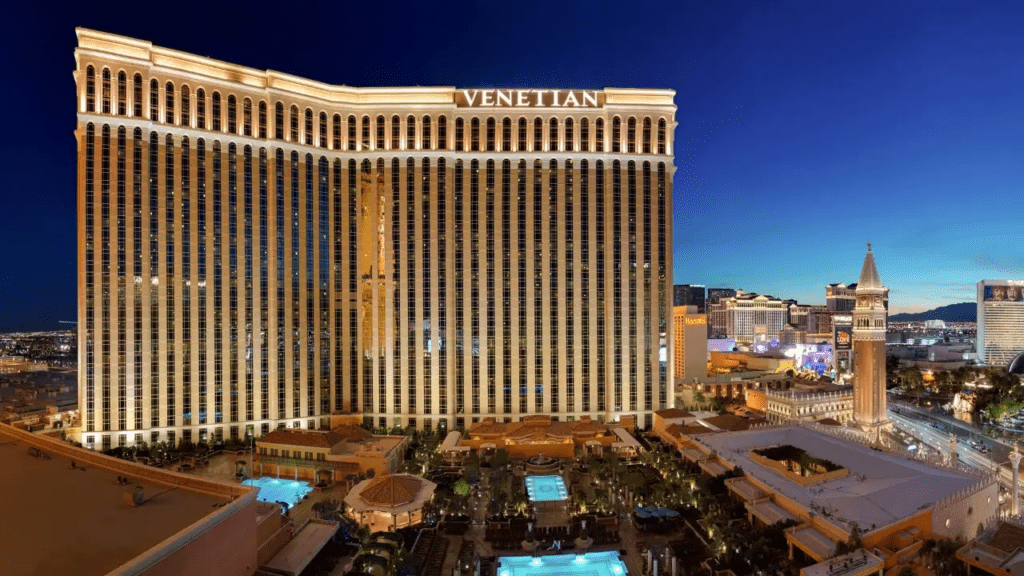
(804, 129)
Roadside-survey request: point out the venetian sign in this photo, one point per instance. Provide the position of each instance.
(510, 98)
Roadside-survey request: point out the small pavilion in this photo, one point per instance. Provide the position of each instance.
(389, 502)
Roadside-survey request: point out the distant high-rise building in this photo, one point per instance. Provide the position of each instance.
(260, 250)
(1000, 321)
(840, 297)
(716, 294)
(869, 323)
(690, 295)
(691, 343)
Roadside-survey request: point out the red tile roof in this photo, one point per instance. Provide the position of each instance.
(298, 437)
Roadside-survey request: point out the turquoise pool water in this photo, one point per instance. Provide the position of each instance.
(592, 563)
(279, 490)
(546, 488)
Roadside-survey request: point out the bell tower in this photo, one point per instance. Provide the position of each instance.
(869, 323)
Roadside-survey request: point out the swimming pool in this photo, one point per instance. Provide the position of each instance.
(546, 488)
(592, 563)
(278, 490)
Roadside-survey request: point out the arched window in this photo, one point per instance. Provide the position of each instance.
(201, 109)
(137, 96)
(647, 136)
(474, 135)
(631, 135)
(323, 130)
(122, 93)
(336, 132)
(553, 135)
(90, 89)
(661, 136)
(568, 135)
(186, 106)
(154, 101)
(616, 135)
(425, 133)
(585, 135)
(293, 124)
(490, 134)
(169, 103)
(351, 132)
(263, 120)
(599, 135)
(279, 121)
(522, 134)
(309, 127)
(410, 133)
(215, 117)
(442, 133)
(366, 132)
(538, 134)
(232, 114)
(106, 91)
(396, 133)
(459, 140)
(381, 132)
(506, 134)
(247, 117)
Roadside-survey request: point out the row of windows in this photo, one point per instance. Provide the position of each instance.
(179, 105)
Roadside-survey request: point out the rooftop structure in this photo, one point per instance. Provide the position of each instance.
(331, 454)
(389, 502)
(65, 512)
(998, 551)
(542, 434)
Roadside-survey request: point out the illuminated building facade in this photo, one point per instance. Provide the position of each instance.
(1000, 321)
(748, 317)
(690, 355)
(258, 249)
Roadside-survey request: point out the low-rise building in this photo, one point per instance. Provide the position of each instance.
(328, 454)
(541, 434)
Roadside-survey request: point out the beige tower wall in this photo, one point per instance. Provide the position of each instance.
(869, 382)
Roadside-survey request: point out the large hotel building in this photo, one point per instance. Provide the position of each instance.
(258, 249)
(1000, 321)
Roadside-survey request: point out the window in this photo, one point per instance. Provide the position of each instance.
(661, 136)
(380, 133)
(309, 127)
(201, 109)
(323, 130)
(585, 135)
(442, 133)
(631, 135)
(410, 133)
(293, 124)
(459, 144)
(215, 111)
(263, 120)
(122, 93)
(169, 103)
(522, 134)
(490, 134)
(366, 132)
(553, 135)
(247, 117)
(336, 133)
(137, 96)
(568, 135)
(351, 132)
(647, 136)
(425, 133)
(154, 101)
(474, 135)
(186, 106)
(279, 121)
(538, 134)
(106, 91)
(616, 134)
(232, 114)
(396, 133)
(90, 89)
(599, 135)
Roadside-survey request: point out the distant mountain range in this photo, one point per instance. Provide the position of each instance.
(962, 312)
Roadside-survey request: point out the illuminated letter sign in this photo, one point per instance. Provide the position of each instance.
(505, 98)
(695, 321)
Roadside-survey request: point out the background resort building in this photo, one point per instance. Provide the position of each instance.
(258, 249)
(335, 454)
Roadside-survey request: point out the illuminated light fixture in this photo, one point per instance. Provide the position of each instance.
(536, 562)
